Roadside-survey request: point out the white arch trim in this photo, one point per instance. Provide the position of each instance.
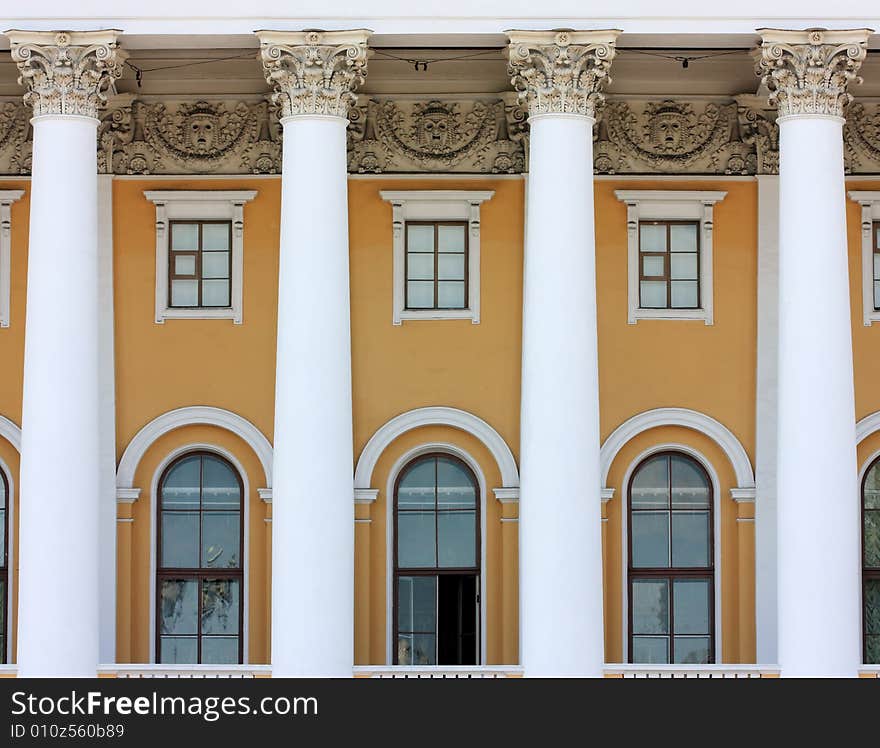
(435, 416)
(691, 419)
(870, 424)
(195, 415)
(10, 432)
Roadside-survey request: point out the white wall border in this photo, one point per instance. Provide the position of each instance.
(195, 205)
(670, 205)
(435, 416)
(691, 419)
(435, 205)
(399, 465)
(869, 200)
(244, 599)
(716, 544)
(194, 415)
(7, 197)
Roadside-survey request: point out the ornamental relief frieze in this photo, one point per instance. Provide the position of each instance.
(476, 135)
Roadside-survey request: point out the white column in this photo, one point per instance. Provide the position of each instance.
(562, 624)
(818, 509)
(313, 495)
(59, 582)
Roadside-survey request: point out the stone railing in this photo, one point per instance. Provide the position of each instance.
(437, 671)
(691, 671)
(184, 671)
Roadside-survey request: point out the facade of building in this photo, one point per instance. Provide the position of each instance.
(441, 347)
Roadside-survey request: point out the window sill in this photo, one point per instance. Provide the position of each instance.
(679, 314)
(872, 317)
(222, 313)
(437, 314)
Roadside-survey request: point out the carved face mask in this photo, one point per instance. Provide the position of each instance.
(434, 131)
(201, 132)
(667, 131)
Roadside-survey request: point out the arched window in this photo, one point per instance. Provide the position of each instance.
(436, 563)
(4, 564)
(199, 571)
(871, 564)
(670, 575)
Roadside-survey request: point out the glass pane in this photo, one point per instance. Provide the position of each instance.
(2, 491)
(653, 265)
(650, 606)
(691, 650)
(650, 486)
(2, 546)
(872, 538)
(650, 539)
(2, 617)
(689, 487)
(872, 606)
(683, 267)
(684, 294)
(417, 604)
(184, 293)
(416, 538)
(876, 294)
(419, 238)
(184, 264)
(220, 540)
(455, 487)
(215, 264)
(220, 606)
(215, 236)
(450, 238)
(215, 293)
(653, 294)
(450, 267)
(651, 650)
(872, 488)
(181, 487)
(180, 540)
(178, 650)
(420, 294)
(877, 267)
(872, 650)
(416, 649)
(220, 489)
(184, 236)
(219, 650)
(683, 237)
(653, 238)
(450, 295)
(690, 539)
(457, 539)
(416, 487)
(691, 606)
(420, 267)
(178, 600)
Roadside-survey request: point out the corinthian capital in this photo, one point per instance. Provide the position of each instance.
(808, 71)
(561, 72)
(66, 72)
(314, 72)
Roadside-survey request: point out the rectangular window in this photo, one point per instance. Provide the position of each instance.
(436, 265)
(875, 267)
(669, 265)
(199, 264)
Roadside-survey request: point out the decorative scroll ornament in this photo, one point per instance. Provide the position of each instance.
(433, 136)
(561, 72)
(807, 72)
(16, 138)
(670, 137)
(758, 128)
(314, 72)
(66, 72)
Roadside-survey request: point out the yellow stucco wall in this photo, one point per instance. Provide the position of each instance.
(397, 368)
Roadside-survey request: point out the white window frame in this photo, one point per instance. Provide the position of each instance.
(435, 205)
(199, 205)
(870, 202)
(7, 197)
(670, 205)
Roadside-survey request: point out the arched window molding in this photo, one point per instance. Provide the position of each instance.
(402, 462)
(245, 551)
(716, 529)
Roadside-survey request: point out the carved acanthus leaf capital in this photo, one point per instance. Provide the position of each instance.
(561, 72)
(314, 72)
(66, 72)
(807, 72)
